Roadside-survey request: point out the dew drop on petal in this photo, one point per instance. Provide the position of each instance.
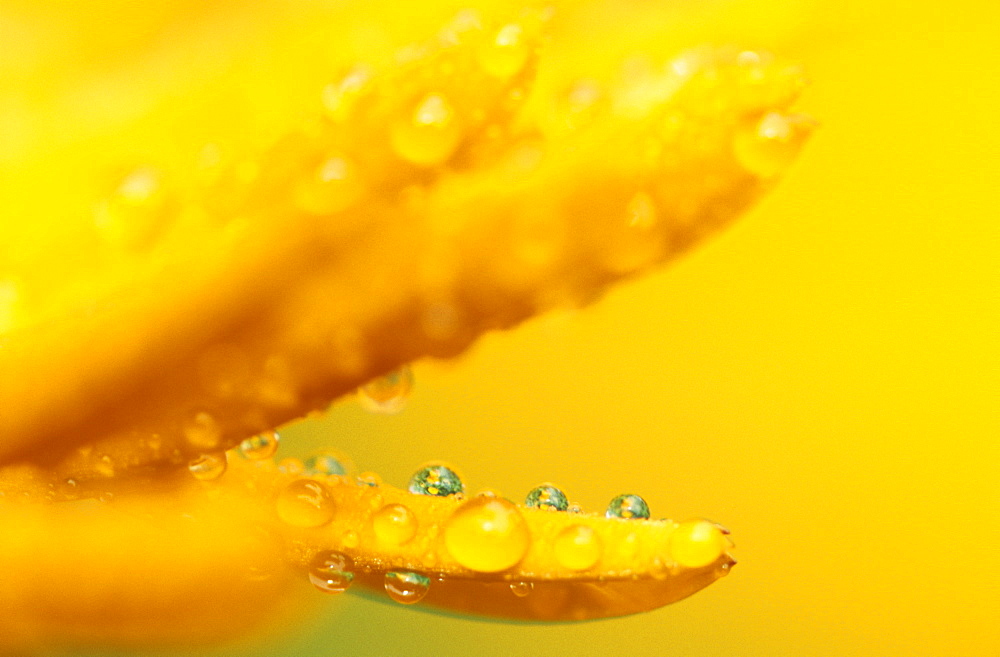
(328, 462)
(629, 507)
(696, 543)
(768, 147)
(394, 524)
(350, 539)
(487, 534)
(208, 467)
(428, 133)
(387, 394)
(405, 587)
(202, 431)
(578, 547)
(506, 52)
(521, 589)
(547, 496)
(305, 503)
(340, 97)
(437, 480)
(331, 572)
(261, 446)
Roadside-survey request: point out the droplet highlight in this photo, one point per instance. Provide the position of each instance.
(546, 496)
(629, 507)
(506, 52)
(203, 432)
(261, 446)
(429, 133)
(394, 524)
(387, 394)
(208, 467)
(331, 572)
(405, 587)
(578, 547)
(768, 147)
(437, 480)
(487, 534)
(305, 503)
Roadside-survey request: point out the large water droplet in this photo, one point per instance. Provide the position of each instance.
(305, 503)
(406, 587)
(328, 462)
(261, 446)
(331, 572)
(578, 547)
(438, 480)
(628, 507)
(387, 394)
(208, 467)
(696, 543)
(487, 534)
(521, 589)
(506, 52)
(394, 524)
(547, 496)
(429, 133)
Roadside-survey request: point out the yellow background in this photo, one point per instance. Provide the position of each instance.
(823, 378)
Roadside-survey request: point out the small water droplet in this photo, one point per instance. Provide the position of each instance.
(203, 432)
(332, 186)
(521, 589)
(767, 147)
(394, 524)
(292, 466)
(331, 572)
(696, 543)
(261, 446)
(350, 539)
(135, 213)
(578, 547)
(487, 534)
(429, 133)
(506, 52)
(208, 467)
(438, 480)
(547, 496)
(328, 462)
(387, 394)
(405, 587)
(630, 507)
(369, 479)
(340, 97)
(305, 503)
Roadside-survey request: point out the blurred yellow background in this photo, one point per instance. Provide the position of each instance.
(823, 378)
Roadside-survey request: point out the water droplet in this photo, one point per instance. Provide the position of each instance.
(429, 133)
(331, 187)
(135, 212)
(350, 539)
(387, 394)
(340, 98)
(292, 466)
(628, 507)
(767, 147)
(506, 53)
(203, 432)
(547, 496)
(487, 534)
(696, 543)
(331, 572)
(328, 462)
(369, 479)
(261, 446)
(208, 467)
(578, 547)
(406, 587)
(394, 524)
(438, 480)
(521, 589)
(305, 503)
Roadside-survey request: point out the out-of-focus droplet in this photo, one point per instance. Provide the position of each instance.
(578, 548)
(428, 133)
(305, 503)
(506, 52)
(547, 496)
(387, 394)
(575, 108)
(9, 296)
(369, 479)
(696, 543)
(487, 534)
(203, 432)
(331, 572)
(629, 507)
(767, 147)
(394, 524)
(341, 97)
(328, 462)
(436, 479)
(136, 211)
(208, 467)
(292, 466)
(521, 589)
(261, 446)
(332, 186)
(350, 539)
(405, 587)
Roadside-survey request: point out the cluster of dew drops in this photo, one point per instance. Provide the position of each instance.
(307, 503)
